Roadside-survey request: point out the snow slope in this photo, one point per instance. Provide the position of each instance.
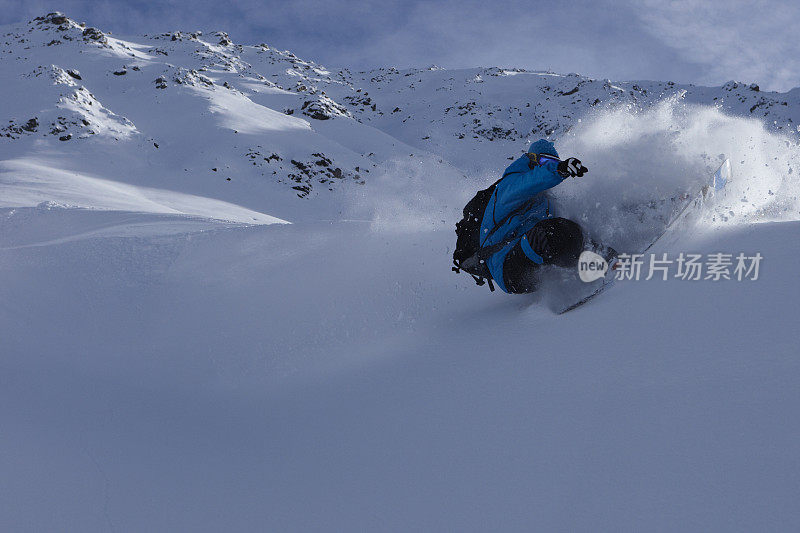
(172, 357)
(186, 382)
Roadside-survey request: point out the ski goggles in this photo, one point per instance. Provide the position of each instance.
(541, 159)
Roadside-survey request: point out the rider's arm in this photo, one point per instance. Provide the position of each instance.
(520, 183)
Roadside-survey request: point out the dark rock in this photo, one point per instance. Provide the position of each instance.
(323, 108)
(303, 190)
(31, 125)
(93, 33)
(75, 74)
(300, 165)
(55, 18)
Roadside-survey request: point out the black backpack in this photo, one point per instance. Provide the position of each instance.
(468, 235)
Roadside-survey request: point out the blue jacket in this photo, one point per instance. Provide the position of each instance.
(520, 185)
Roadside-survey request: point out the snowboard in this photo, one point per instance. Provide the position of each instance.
(687, 213)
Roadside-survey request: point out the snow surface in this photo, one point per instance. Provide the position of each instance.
(172, 357)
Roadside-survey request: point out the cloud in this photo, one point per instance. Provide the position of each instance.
(743, 40)
(583, 36)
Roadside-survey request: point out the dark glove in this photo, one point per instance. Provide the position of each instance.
(572, 167)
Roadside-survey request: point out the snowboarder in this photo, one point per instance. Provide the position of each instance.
(510, 230)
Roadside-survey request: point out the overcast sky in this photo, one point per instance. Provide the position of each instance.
(706, 42)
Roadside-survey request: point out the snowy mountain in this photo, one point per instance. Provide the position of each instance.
(194, 110)
(226, 299)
